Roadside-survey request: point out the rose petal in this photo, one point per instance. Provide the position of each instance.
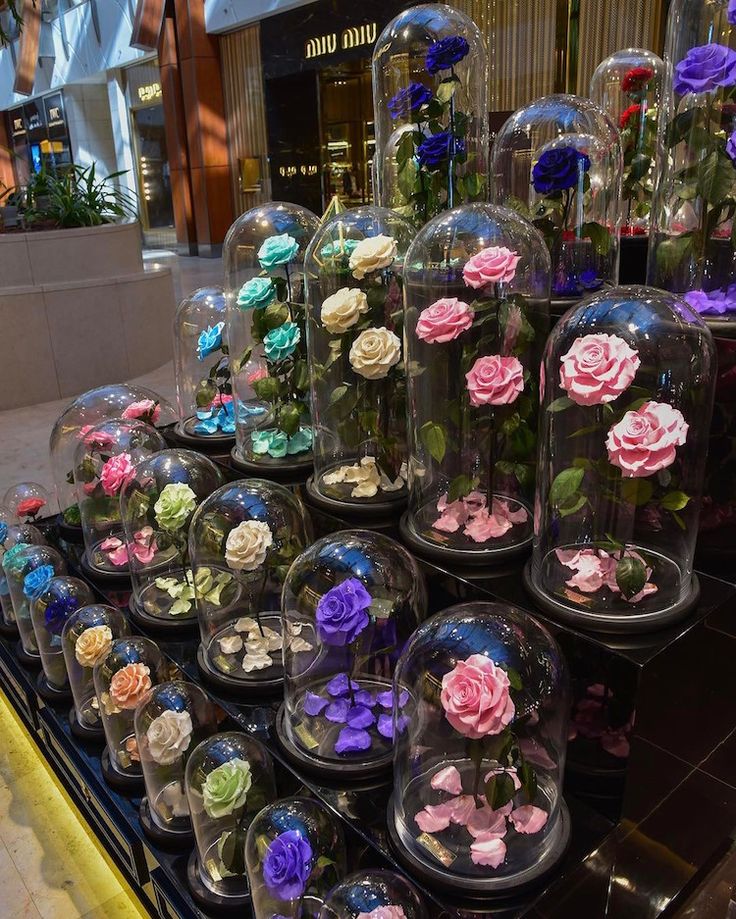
(360, 717)
(338, 685)
(485, 823)
(430, 822)
(351, 740)
(314, 704)
(447, 779)
(386, 726)
(461, 809)
(489, 851)
(528, 818)
(364, 698)
(337, 711)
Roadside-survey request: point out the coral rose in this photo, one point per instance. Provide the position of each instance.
(444, 320)
(597, 369)
(495, 380)
(475, 697)
(114, 473)
(129, 685)
(492, 265)
(644, 441)
(29, 507)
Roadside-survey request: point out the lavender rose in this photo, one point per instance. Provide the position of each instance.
(705, 68)
(287, 866)
(408, 100)
(342, 613)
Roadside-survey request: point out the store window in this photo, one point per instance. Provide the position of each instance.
(39, 136)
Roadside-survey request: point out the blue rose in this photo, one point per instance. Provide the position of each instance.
(277, 250)
(280, 343)
(300, 442)
(589, 279)
(256, 293)
(409, 99)
(3, 532)
(35, 581)
(57, 613)
(209, 340)
(442, 54)
(558, 169)
(274, 443)
(436, 148)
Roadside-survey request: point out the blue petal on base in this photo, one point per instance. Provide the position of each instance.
(211, 421)
(352, 740)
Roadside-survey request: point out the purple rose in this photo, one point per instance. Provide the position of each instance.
(409, 99)
(436, 148)
(712, 302)
(589, 279)
(705, 68)
(732, 12)
(442, 54)
(342, 613)
(731, 144)
(558, 169)
(287, 866)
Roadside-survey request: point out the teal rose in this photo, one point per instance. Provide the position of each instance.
(300, 442)
(280, 343)
(277, 250)
(256, 293)
(273, 443)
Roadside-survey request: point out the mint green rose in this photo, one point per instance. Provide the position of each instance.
(226, 788)
(274, 443)
(277, 250)
(280, 343)
(256, 293)
(11, 562)
(174, 506)
(300, 442)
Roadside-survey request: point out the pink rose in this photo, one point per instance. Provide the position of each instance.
(444, 320)
(644, 441)
(491, 266)
(384, 912)
(146, 410)
(598, 368)
(475, 697)
(114, 473)
(99, 439)
(495, 380)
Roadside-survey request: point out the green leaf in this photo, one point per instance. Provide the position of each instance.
(672, 251)
(461, 486)
(337, 393)
(405, 150)
(559, 405)
(474, 185)
(445, 91)
(433, 438)
(499, 790)
(275, 315)
(572, 506)
(675, 501)
(598, 235)
(514, 678)
(640, 165)
(266, 389)
(716, 177)
(565, 485)
(343, 400)
(680, 126)
(637, 491)
(497, 746)
(631, 576)
(205, 394)
(288, 418)
(300, 375)
(406, 179)
(528, 778)
(369, 422)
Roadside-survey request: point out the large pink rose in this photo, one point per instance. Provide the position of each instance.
(475, 697)
(490, 266)
(644, 441)
(114, 472)
(598, 368)
(146, 410)
(444, 320)
(495, 380)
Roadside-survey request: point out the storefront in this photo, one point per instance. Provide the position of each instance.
(39, 136)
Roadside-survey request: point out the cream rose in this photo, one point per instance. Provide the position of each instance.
(247, 545)
(343, 309)
(169, 736)
(374, 352)
(371, 255)
(93, 645)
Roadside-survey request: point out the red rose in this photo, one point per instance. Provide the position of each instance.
(636, 78)
(30, 507)
(628, 114)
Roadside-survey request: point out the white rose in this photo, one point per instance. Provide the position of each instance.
(169, 736)
(247, 545)
(371, 255)
(93, 645)
(374, 352)
(343, 309)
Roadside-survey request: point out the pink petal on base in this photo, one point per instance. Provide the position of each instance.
(112, 542)
(447, 779)
(486, 822)
(528, 818)
(119, 557)
(433, 818)
(488, 850)
(462, 809)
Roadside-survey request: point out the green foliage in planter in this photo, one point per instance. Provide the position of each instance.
(77, 198)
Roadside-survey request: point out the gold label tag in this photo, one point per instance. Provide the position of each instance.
(435, 847)
(306, 737)
(123, 759)
(213, 870)
(223, 663)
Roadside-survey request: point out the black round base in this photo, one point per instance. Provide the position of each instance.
(361, 509)
(173, 626)
(453, 559)
(93, 737)
(67, 532)
(242, 687)
(207, 443)
(31, 661)
(8, 630)
(287, 469)
(50, 693)
(131, 785)
(165, 839)
(558, 307)
(118, 578)
(611, 623)
(213, 903)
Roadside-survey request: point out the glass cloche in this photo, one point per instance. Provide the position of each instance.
(558, 161)
(430, 91)
(354, 597)
(229, 779)
(169, 723)
(28, 571)
(27, 502)
(157, 502)
(13, 538)
(477, 284)
(50, 609)
(103, 460)
(263, 254)
(86, 639)
(202, 369)
(353, 272)
(627, 397)
(122, 679)
(242, 540)
(373, 895)
(482, 701)
(295, 853)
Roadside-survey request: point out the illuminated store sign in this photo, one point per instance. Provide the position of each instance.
(149, 91)
(288, 171)
(352, 37)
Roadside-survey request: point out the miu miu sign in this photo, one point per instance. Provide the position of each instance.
(352, 37)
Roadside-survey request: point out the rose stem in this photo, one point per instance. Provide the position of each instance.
(476, 780)
(451, 158)
(421, 181)
(351, 668)
(259, 601)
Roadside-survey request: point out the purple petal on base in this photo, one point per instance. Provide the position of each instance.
(386, 699)
(385, 726)
(313, 704)
(364, 698)
(337, 711)
(360, 717)
(338, 685)
(402, 722)
(351, 740)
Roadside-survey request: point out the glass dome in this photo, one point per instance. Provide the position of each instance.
(354, 597)
(430, 92)
(480, 752)
(157, 502)
(373, 895)
(628, 392)
(263, 256)
(50, 609)
(295, 852)
(477, 287)
(628, 87)
(242, 540)
(77, 420)
(28, 501)
(229, 779)
(559, 162)
(202, 369)
(353, 272)
(102, 462)
(28, 571)
(169, 724)
(13, 538)
(86, 639)
(121, 680)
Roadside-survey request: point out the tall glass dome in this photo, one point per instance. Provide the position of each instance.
(242, 541)
(627, 396)
(430, 92)
(353, 272)
(157, 502)
(263, 256)
(13, 538)
(28, 571)
(558, 161)
(477, 283)
(27, 502)
(354, 597)
(480, 750)
(103, 461)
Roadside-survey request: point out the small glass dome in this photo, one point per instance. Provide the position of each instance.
(86, 639)
(353, 272)
(229, 779)
(559, 162)
(628, 87)
(169, 724)
(430, 92)
(627, 397)
(480, 752)
(477, 284)
(354, 597)
(13, 538)
(295, 852)
(263, 256)
(28, 501)
(202, 369)
(157, 502)
(102, 462)
(373, 895)
(28, 571)
(77, 420)
(121, 680)
(50, 609)
(242, 540)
